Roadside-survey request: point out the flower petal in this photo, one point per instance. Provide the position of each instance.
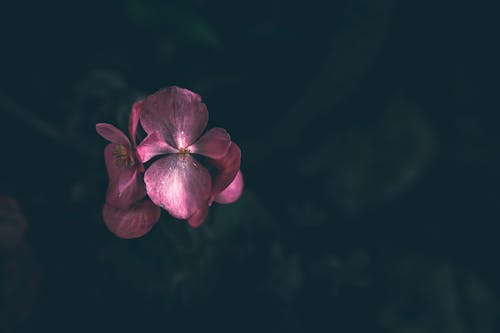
(112, 134)
(133, 120)
(197, 218)
(232, 192)
(214, 143)
(177, 114)
(227, 167)
(126, 179)
(121, 193)
(179, 184)
(132, 222)
(153, 145)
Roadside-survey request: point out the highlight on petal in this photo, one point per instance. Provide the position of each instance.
(120, 174)
(179, 184)
(214, 143)
(126, 180)
(133, 120)
(153, 145)
(177, 114)
(112, 134)
(227, 168)
(197, 218)
(132, 222)
(232, 192)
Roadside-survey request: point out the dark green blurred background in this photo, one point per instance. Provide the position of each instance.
(371, 154)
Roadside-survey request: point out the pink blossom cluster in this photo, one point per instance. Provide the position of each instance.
(162, 171)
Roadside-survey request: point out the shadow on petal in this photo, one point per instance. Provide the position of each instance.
(227, 167)
(197, 219)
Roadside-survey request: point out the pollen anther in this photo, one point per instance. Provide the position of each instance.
(121, 154)
(184, 151)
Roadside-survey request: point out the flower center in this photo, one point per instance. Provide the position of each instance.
(122, 156)
(184, 151)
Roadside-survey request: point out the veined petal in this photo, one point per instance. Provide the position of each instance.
(112, 134)
(214, 143)
(179, 184)
(153, 145)
(227, 167)
(132, 222)
(133, 120)
(177, 114)
(132, 188)
(197, 218)
(232, 192)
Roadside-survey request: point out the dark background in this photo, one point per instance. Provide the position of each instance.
(370, 153)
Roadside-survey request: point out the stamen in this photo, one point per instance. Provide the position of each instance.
(184, 151)
(121, 154)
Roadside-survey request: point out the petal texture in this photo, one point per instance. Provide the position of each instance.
(179, 184)
(112, 134)
(214, 143)
(177, 114)
(126, 180)
(153, 145)
(132, 187)
(131, 222)
(133, 120)
(232, 192)
(227, 168)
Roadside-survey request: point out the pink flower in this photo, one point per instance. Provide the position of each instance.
(127, 212)
(174, 119)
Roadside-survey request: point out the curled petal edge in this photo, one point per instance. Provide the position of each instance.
(233, 192)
